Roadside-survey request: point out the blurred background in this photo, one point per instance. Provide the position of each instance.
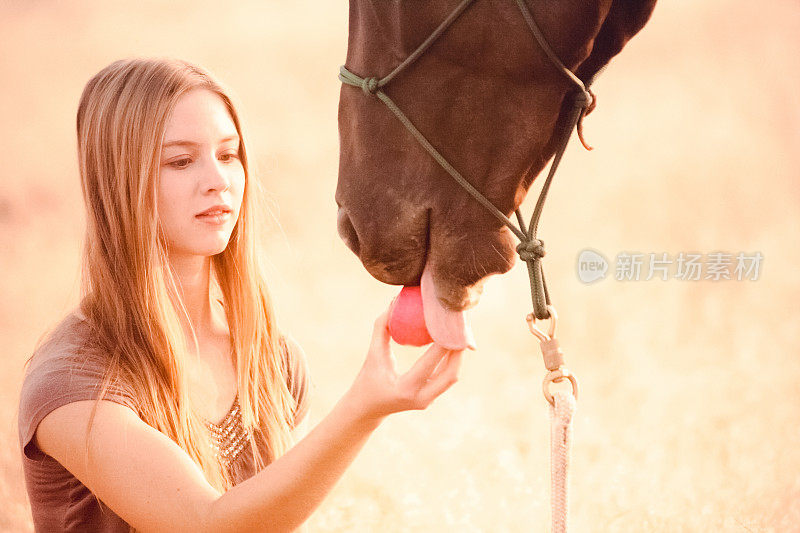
(689, 411)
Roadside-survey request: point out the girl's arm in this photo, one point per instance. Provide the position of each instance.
(151, 483)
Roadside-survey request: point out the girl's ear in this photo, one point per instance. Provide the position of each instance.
(624, 20)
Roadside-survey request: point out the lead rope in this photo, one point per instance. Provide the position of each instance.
(560, 446)
(562, 407)
(531, 249)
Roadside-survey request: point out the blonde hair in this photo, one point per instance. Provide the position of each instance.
(129, 293)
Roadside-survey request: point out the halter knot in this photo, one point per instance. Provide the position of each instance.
(369, 85)
(584, 99)
(531, 250)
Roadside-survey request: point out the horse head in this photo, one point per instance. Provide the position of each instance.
(488, 98)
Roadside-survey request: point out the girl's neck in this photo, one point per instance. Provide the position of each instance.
(193, 276)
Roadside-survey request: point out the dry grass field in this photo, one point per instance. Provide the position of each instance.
(689, 412)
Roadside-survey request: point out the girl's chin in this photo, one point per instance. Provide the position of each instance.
(201, 250)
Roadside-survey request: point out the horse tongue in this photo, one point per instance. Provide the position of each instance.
(448, 329)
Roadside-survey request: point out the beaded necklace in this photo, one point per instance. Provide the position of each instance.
(228, 438)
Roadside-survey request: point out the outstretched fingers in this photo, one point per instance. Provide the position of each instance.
(432, 374)
(444, 377)
(423, 368)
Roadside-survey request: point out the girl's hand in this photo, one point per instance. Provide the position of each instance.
(379, 391)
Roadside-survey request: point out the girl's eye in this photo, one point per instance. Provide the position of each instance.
(180, 163)
(229, 156)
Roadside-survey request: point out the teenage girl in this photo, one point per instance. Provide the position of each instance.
(168, 400)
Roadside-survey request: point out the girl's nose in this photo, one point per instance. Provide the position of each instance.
(217, 178)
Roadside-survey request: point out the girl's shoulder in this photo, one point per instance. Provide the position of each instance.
(63, 370)
(62, 341)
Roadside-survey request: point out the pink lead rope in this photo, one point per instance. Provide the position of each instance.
(560, 443)
(562, 409)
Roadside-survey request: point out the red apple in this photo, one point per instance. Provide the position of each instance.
(407, 321)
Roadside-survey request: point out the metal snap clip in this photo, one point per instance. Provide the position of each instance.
(556, 376)
(541, 335)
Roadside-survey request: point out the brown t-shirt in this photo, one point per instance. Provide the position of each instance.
(56, 376)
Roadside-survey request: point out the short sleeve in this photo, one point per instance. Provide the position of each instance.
(298, 379)
(58, 380)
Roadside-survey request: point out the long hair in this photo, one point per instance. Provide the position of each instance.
(129, 294)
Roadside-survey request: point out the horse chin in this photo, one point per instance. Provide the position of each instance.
(406, 267)
(450, 294)
(456, 297)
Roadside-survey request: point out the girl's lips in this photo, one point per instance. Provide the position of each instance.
(217, 218)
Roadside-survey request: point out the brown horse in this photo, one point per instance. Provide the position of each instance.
(490, 101)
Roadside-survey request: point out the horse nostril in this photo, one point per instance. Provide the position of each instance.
(346, 231)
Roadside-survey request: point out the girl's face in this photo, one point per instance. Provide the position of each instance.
(201, 179)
